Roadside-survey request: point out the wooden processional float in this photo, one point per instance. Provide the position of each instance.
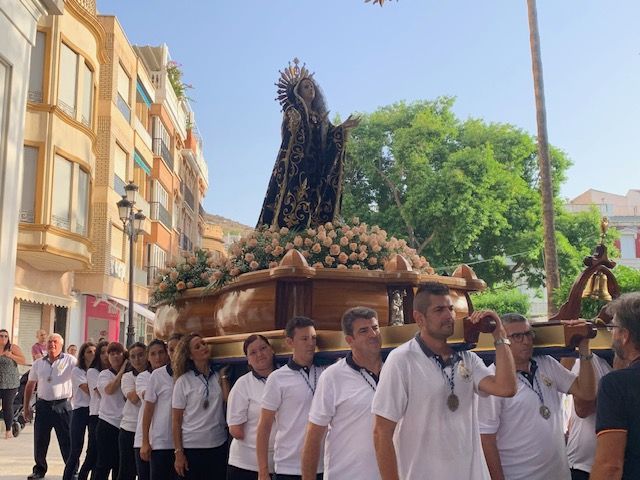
(263, 301)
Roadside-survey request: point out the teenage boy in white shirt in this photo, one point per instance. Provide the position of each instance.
(342, 405)
(531, 421)
(287, 399)
(426, 423)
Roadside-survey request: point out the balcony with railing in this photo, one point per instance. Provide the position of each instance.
(160, 149)
(187, 194)
(68, 109)
(201, 211)
(160, 214)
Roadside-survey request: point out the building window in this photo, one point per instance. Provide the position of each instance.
(117, 241)
(119, 170)
(160, 205)
(157, 261)
(28, 205)
(36, 69)
(122, 100)
(68, 85)
(87, 95)
(61, 204)
(82, 208)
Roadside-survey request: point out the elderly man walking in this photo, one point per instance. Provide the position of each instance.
(52, 375)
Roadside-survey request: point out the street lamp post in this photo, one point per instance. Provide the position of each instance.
(132, 221)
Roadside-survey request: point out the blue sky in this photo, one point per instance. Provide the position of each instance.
(365, 56)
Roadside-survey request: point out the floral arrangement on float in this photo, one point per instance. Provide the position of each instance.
(339, 245)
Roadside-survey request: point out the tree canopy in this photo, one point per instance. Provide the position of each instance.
(459, 191)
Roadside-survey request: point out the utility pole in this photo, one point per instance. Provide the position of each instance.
(552, 274)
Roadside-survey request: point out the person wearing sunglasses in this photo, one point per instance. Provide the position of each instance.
(531, 421)
(617, 419)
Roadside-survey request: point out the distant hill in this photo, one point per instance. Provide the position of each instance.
(228, 226)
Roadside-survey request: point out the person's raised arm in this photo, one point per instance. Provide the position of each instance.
(492, 455)
(584, 387)
(385, 451)
(311, 450)
(262, 442)
(114, 385)
(503, 383)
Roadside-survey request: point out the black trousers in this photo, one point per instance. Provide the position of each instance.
(206, 463)
(108, 455)
(162, 467)
(236, 473)
(579, 474)
(90, 458)
(79, 422)
(8, 395)
(54, 415)
(142, 468)
(127, 461)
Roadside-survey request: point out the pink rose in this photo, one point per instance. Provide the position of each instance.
(284, 231)
(189, 284)
(373, 260)
(268, 249)
(308, 242)
(341, 267)
(350, 234)
(181, 285)
(278, 251)
(362, 248)
(353, 257)
(343, 257)
(328, 226)
(173, 275)
(253, 242)
(254, 265)
(353, 246)
(356, 267)
(334, 249)
(332, 234)
(234, 272)
(162, 286)
(311, 232)
(344, 241)
(273, 264)
(288, 246)
(329, 260)
(249, 257)
(327, 242)
(322, 236)
(217, 274)
(317, 265)
(297, 241)
(316, 248)
(376, 248)
(362, 256)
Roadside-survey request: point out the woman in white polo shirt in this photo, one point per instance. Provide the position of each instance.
(243, 410)
(157, 438)
(100, 362)
(110, 414)
(157, 357)
(138, 362)
(199, 430)
(81, 400)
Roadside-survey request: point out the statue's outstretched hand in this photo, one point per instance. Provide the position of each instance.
(351, 122)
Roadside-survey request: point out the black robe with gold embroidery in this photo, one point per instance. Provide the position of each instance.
(305, 189)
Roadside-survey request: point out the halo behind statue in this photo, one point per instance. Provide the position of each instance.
(289, 78)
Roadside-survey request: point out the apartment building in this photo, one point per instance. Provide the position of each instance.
(99, 116)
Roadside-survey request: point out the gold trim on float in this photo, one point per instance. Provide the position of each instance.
(230, 346)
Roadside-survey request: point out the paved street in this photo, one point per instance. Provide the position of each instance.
(16, 457)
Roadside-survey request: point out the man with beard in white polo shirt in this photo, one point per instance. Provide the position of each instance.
(522, 437)
(287, 399)
(426, 423)
(342, 405)
(52, 375)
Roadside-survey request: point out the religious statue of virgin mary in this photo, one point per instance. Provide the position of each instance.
(305, 189)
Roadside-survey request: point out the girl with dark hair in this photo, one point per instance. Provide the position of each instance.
(10, 357)
(243, 410)
(157, 357)
(199, 430)
(80, 414)
(157, 437)
(100, 362)
(111, 405)
(138, 362)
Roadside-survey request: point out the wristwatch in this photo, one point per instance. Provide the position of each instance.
(586, 357)
(502, 341)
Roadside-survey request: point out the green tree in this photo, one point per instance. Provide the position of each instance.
(502, 301)
(458, 191)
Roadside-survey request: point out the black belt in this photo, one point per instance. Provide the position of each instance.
(53, 402)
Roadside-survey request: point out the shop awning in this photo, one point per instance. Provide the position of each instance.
(44, 298)
(137, 308)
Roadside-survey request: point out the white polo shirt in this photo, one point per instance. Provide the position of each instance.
(530, 446)
(581, 444)
(142, 380)
(430, 440)
(159, 391)
(289, 392)
(54, 379)
(202, 427)
(343, 403)
(111, 405)
(92, 383)
(80, 398)
(130, 411)
(243, 408)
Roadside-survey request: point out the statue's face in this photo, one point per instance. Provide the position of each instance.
(307, 90)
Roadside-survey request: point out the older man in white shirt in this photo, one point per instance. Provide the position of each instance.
(52, 375)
